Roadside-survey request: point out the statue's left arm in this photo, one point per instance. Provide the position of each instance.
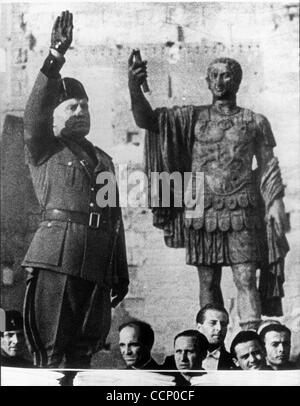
(271, 185)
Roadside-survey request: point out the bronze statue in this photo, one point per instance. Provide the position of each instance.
(243, 222)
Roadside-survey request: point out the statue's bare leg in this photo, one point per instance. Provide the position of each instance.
(210, 289)
(248, 300)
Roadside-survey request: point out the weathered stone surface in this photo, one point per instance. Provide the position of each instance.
(263, 37)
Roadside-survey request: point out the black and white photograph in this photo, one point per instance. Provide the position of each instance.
(150, 194)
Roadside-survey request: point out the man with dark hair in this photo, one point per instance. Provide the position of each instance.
(77, 257)
(265, 323)
(136, 339)
(13, 342)
(212, 321)
(248, 351)
(219, 140)
(277, 341)
(190, 349)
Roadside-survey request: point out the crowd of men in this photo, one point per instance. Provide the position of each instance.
(203, 348)
(199, 350)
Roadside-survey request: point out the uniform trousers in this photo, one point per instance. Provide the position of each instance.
(66, 319)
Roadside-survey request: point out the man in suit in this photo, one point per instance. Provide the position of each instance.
(212, 321)
(13, 342)
(277, 341)
(190, 349)
(136, 339)
(77, 258)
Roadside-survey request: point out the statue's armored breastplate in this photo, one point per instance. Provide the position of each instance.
(223, 150)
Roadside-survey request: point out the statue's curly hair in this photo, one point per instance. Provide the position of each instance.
(233, 65)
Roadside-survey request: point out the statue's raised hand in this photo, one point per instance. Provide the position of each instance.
(62, 32)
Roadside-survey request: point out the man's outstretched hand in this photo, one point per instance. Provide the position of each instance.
(62, 32)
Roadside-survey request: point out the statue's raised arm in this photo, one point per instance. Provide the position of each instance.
(141, 108)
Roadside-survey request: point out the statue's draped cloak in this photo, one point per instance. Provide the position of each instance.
(170, 150)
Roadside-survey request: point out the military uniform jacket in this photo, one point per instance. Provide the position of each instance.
(63, 181)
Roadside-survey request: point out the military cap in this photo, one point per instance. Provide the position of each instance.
(71, 88)
(13, 320)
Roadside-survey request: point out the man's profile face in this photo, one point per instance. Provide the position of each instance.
(187, 356)
(250, 355)
(134, 353)
(278, 347)
(221, 80)
(214, 326)
(12, 343)
(73, 117)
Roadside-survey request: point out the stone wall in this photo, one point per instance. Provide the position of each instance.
(178, 40)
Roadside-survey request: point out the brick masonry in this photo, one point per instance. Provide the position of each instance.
(178, 40)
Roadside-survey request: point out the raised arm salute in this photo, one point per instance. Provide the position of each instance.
(46, 93)
(77, 258)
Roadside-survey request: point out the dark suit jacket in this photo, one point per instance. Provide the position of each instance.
(169, 363)
(62, 182)
(225, 361)
(151, 365)
(288, 366)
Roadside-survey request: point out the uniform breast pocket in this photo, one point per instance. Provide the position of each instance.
(47, 244)
(71, 175)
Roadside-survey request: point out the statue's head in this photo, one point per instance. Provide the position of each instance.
(224, 76)
(71, 116)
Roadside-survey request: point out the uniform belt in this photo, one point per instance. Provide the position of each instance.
(93, 219)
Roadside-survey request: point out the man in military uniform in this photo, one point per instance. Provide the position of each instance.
(13, 342)
(77, 257)
(220, 140)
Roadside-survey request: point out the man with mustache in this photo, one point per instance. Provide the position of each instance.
(77, 258)
(242, 223)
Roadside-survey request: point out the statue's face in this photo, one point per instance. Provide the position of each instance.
(221, 80)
